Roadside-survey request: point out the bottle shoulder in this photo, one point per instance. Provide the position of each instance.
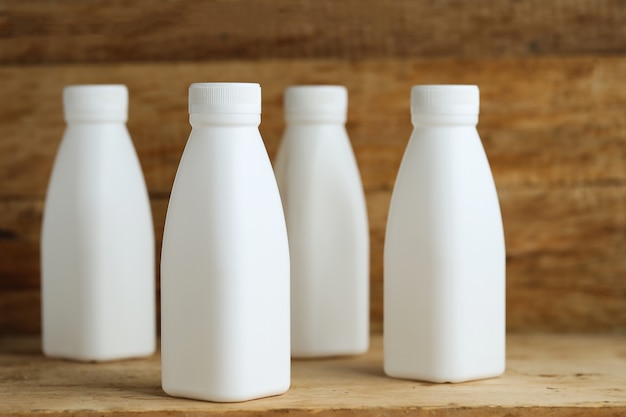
(221, 164)
(85, 130)
(440, 170)
(317, 163)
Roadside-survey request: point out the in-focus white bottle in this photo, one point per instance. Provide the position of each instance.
(225, 257)
(97, 245)
(444, 262)
(327, 225)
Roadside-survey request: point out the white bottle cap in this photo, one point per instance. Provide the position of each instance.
(445, 99)
(95, 103)
(224, 98)
(316, 103)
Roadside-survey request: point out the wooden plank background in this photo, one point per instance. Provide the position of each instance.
(553, 118)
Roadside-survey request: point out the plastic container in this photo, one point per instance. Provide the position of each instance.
(444, 262)
(225, 257)
(327, 225)
(97, 245)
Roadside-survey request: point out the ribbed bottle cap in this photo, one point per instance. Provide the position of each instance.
(316, 103)
(224, 98)
(104, 102)
(445, 99)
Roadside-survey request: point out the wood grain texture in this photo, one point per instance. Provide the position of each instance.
(147, 30)
(565, 259)
(553, 128)
(544, 121)
(546, 376)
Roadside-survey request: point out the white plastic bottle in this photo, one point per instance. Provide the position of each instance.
(327, 225)
(444, 263)
(97, 245)
(225, 257)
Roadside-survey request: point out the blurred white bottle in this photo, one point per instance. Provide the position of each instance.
(225, 257)
(97, 245)
(444, 264)
(327, 225)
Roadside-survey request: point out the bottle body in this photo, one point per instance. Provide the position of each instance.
(328, 232)
(98, 289)
(444, 262)
(225, 269)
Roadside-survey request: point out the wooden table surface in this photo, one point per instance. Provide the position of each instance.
(546, 375)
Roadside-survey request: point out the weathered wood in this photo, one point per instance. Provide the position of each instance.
(555, 238)
(556, 141)
(565, 258)
(145, 30)
(20, 311)
(565, 266)
(546, 376)
(549, 121)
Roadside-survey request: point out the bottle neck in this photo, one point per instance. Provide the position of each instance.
(320, 117)
(224, 119)
(444, 120)
(308, 122)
